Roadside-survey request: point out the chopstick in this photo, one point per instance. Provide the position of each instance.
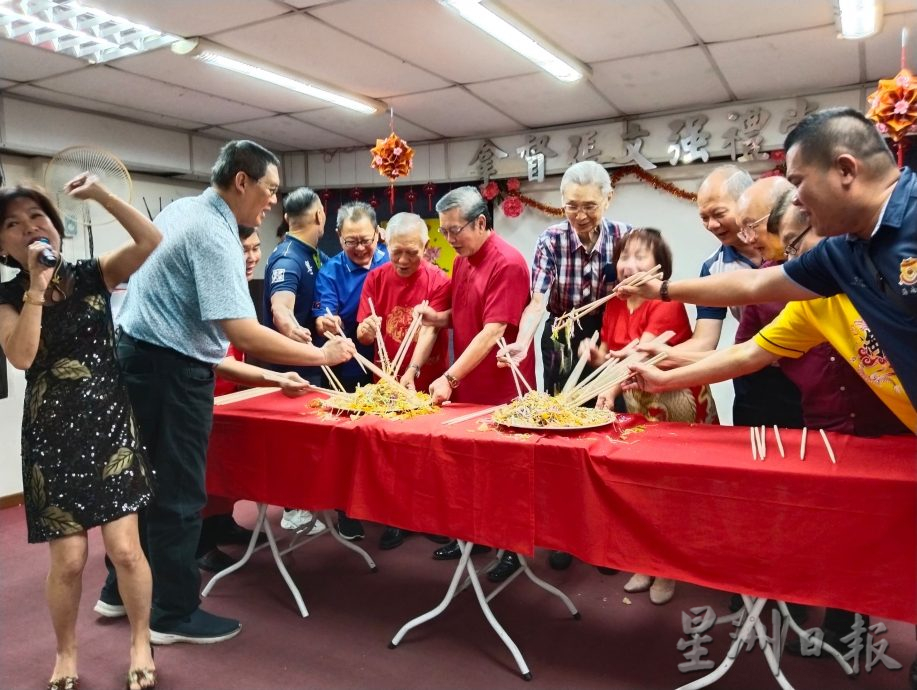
(380, 341)
(407, 340)
(754, 443)
(471, 415)
(341, 333)
(802, 445)
(762, 442)
(573, 379)
(824, 437)
(635, 280)
(387, 377)
(779, 442)
(516, 373)
(242, 395)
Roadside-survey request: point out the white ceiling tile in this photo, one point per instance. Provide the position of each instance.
(364, 128)
(304, 3)
(95, 105)
(453, 113)
(883, 51)
(309, 47)
(114, 86)
(434, 37)
(183, 70)
(803, 61)
(727, 20)
(597, 30)
(4, 83)
(25, 63)
(660, 81)
(293, 132)
(195, 18)
(539, 100)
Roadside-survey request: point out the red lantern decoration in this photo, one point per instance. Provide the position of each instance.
(393, 158)
(411, 197)
(893, 106)
(513, 184)
(429, 189)
(374, 202)
(356, 193)
(490, 190)
(512, 207)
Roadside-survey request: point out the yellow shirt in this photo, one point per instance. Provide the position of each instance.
(803, 325)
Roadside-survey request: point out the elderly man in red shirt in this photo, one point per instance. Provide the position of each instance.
(394, 289)
(490, 289)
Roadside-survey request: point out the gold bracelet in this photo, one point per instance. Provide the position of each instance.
(28, 299)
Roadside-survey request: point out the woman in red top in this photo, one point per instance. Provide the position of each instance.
(637, 318)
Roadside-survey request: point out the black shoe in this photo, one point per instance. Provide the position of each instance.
(236, 535)
(438, 538)
(606, 571)
(350, 529)
(560, 560)
(735, 603)
(215, 561)
(392, 538)
(508, 564)
(799, 612)
(452, 551)
(198, 628)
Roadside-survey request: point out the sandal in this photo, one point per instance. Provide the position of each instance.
(140, 675)
(65, 683)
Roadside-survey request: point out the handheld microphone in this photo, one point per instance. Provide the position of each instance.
(47, 256)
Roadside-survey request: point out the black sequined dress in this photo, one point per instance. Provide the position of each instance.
(82, 461)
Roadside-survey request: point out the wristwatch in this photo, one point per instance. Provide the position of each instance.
(416, 368)
(453, 382)
(664, 291)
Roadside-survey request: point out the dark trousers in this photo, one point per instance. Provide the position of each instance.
(558, 359)
(766, 397)
(172, 398)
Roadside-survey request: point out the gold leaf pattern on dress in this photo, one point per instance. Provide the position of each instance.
(36, 487)
(59, 521)
(36, 397)
(70, 369)
(95, 301)
(122, 459)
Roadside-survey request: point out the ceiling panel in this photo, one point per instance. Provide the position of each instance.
(4, 83)
(26, 63)
(309, 47)
(195, 18)
(225, 134)
(727, 20)
(798, 62)
(364, 128)
(597, 30)
(183, 70)
(453, 113)
(293, 132)
(114, 86)
(661, 81)
(539, 100)
(435, 37)
(883, 51)
(95, 105)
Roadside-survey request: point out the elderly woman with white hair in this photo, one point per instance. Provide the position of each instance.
(394, 289)
(572, 267)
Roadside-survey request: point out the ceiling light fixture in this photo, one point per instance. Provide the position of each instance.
(242, 64)
(858, 18)
(73, 29)
(511, 31)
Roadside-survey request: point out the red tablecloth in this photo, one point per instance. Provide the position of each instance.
(684, 501)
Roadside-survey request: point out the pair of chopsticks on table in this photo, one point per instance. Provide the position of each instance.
(759, 449)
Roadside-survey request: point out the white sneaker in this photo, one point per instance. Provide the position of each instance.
(297, 519)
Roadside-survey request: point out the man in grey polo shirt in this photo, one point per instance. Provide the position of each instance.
(184, 306)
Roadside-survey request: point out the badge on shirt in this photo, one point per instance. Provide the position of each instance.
(908, 275)
(308, 267)
(277, 275)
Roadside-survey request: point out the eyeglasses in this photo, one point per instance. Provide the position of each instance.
(353, 242)
(272, 190)
(588, 208)
(792, 249)
(454, 232)
(747, 233)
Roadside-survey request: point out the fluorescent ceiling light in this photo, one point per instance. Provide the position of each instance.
(73, 29)
(242, 64)
(525, 41)
(859, 18)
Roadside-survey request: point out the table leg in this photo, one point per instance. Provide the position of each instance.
(848, 669)
(524, 567)
(262, 524)
(350, 545)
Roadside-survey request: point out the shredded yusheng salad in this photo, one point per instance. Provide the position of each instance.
(537, 409)
(381, 399)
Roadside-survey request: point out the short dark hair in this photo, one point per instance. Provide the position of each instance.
(40, 197)
(784, 203)
(241, 155)
(246, 231)
(823, 135)
(652, 238)
(299, 201)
